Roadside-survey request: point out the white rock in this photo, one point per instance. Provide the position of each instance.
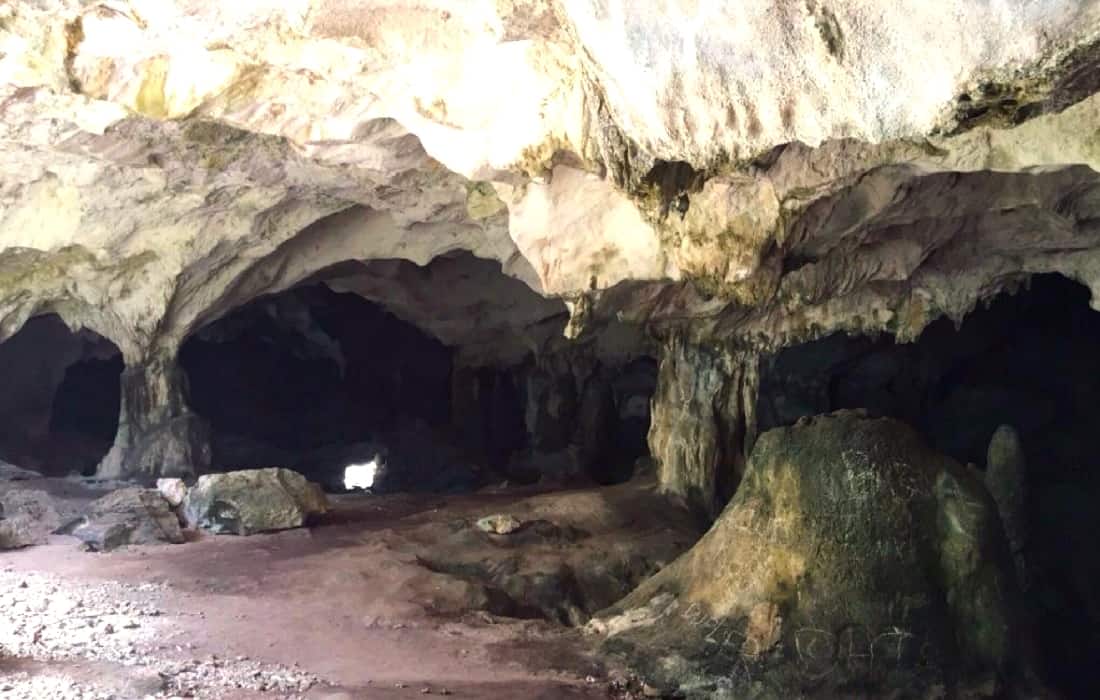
(173, 490)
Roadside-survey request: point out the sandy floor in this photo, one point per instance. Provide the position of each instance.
(340, 610)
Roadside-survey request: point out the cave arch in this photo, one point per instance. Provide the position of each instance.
(314, 380)
(59, 410)
(452, 373)
(1029, 360)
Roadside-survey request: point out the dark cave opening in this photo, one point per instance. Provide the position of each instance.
(591, 420)
(59, 408)
(1029, 361)
(317, 380)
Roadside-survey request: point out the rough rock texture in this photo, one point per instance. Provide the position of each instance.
(158, 435)
(129, 516)
(566, 555)
(27, 517)
(766, 172)
(1006, 479)
(499, 524)
(851, 554)
(253, 500)
(703, 422)
(172, 490)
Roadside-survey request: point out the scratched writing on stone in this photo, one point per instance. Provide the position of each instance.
(854, 649)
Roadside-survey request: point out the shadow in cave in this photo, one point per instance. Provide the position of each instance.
(1030, 361)
(59, 407)
(315, 380)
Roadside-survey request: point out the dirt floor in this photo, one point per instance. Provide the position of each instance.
(385, 597)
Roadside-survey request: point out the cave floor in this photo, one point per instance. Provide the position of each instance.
(344, 609)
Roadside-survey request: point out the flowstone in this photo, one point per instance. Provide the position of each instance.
(852, 556)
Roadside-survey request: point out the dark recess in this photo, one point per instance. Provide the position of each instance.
(1032, 361)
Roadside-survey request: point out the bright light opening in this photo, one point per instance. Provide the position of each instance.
(360, 476)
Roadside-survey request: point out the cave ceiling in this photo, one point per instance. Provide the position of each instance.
(762, 171)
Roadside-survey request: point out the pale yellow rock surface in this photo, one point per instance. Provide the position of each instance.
(763, 171)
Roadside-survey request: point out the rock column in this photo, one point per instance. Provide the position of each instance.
(158, 435)
(1006, 479)
(704, 421)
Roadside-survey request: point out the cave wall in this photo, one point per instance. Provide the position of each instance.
(159, 176)
(560, 417)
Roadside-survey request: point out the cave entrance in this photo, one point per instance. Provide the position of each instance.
(317, 381)
(1031, 361)
(59, 407)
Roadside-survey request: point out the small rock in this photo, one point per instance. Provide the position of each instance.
(173, 490)
(499, 524)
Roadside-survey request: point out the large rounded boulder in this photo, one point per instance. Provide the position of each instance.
(852, 558)
(253, 500)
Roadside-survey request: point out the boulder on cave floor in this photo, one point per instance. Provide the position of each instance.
(27, 517)
(129, 516)
(851, 557)
(253, 500)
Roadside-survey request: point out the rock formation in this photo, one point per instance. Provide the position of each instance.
(1006, 479)
(851, 555)
(576, 205)
(251, 501)
(875, 169)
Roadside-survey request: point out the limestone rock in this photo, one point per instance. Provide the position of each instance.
(173, 490)
(848, 540)
(129, 516)
(703, 421)
(499, 524)
(1006, 479)
(27, 517)
(764, 172)
(10, 472)
(253, 500)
